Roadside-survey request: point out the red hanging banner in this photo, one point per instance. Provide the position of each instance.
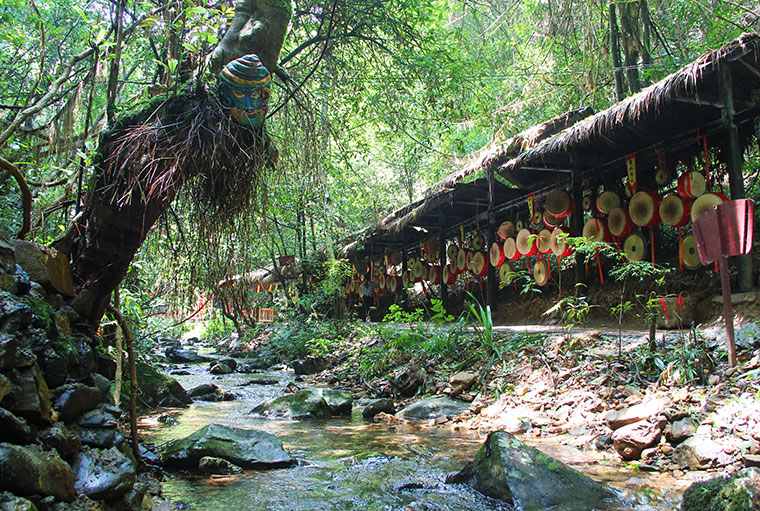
(630, 166)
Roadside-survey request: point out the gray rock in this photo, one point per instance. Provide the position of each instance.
(103, 474)
(631, 439)
(210, 392)
(384, 405)
(307, 404)
(185, 356)
(643, 411)
(15, 429)
(10, 502)
(463, 379)
(32, 471)
(14, 315)
(507, 469)
(220, 368)
(102, 438)
(681, 430)
(8, 347)
(229, 362)
(698, 453)
(102, 383)
(242, 447)
(409, 382)
(210, 465)
(45, 265)
(432, 408)
(30, 397)
(104, 416)
(308, 365)
(739, 492)
(62, 439)
(74, 399)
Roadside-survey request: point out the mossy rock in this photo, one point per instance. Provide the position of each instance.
(509, 470)
(740, 492)
(155, 388)
(308, 404)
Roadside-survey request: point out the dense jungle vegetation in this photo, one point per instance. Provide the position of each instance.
(373, 102)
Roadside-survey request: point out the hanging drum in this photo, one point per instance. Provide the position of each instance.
(434, 275)
(432, 245)
(691, 185)
(405, 279)
(538, 217)
(587, 203)
(540, 273)
(560, 247)
(510, 249)
(477, 242)
(619, 222)
(644, 208)
(419, 271)
(452, 251)
(635, 247)
(506, 229)
(595, 229)
(526, 243)
(551, 220)
(496, 255)
(395, 258)
(675, 211)
(461, 260)
(544, 241)
(479, 263)
(362, 268)
(381, 282)
(519, 225)
(392, 284)
(662, 177)
(452, 266)
(705, 202)
(448, 277)
(506, 276)
(691, 253)
(559, 203)
(606, 202)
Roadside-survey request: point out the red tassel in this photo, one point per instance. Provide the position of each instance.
(480, 282)
(664, 309)
(680, 304)
(680, 249)
(599, 264)
(548, 268)
(651, 242)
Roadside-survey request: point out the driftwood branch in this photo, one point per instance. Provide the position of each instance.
(26, 196)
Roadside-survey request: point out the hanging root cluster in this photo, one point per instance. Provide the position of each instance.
(186, 140)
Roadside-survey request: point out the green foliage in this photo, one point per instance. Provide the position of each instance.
(218, 328)
(573, 310)
(682, 364)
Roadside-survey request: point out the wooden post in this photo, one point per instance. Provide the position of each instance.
(576, 224)
(490, 235)
(735, 159)
(442, 256)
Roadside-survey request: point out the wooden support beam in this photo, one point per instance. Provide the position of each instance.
(735, 160)
(490, 236)
(576, 224)
(442, 256)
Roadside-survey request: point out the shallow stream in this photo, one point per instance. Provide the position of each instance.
(354, 464)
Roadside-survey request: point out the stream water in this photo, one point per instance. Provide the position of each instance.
(350, 464)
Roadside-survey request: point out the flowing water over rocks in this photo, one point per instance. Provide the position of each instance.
(344, 463)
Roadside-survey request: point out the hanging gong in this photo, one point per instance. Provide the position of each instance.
(506, 229)
(559, 203)
(519, 225)
(662, 177)
(607, 201)
(506, 276)
(432, 245)
(635, 247)
(392, 284)
(540, 273)
(537, 217)
(644, 208)
(705, 202)
(675, 211)
(595, 229)
(496, 255)
(544, 241)
(691, 253)
(526, 243)
(452, 251)
(434, 275)
(462, 260)
(477, 242)
(619, 222)
(395, 258)
(452, 266)
(587, 203)
(510, 249)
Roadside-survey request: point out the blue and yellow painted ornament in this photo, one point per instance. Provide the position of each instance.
(244, 89)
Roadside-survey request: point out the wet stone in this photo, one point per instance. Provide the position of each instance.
(103, 474)
(14, 429)
(740, 492)
(74, 399)
(432, 408)
(62, 439)
(32, 471)
(220, 368)
(384, 405)
(210, 392)
(211, 465)
(11, 502)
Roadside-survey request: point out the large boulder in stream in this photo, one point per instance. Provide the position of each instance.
(432, 408)
(313, 403)
(103, 474)
(739, 492)
(246, 448)
(509, 470)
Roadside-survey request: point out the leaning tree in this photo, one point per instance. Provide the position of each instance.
(183, 137)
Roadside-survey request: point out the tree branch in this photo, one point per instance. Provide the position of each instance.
(26, 196)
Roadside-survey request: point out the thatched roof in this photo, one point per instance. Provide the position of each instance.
(665, 117)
